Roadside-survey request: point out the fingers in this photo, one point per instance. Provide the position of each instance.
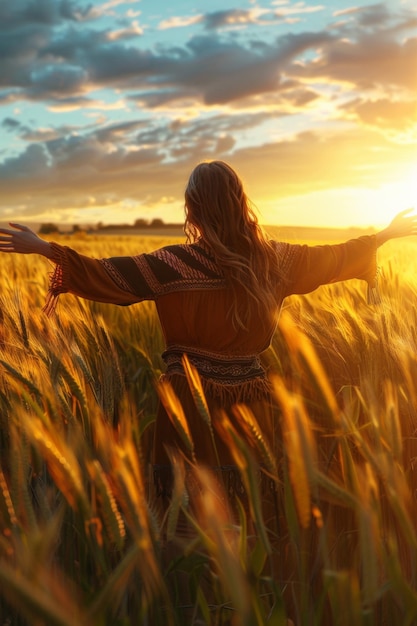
(405, 215)
(6, 240)
(6, 244)
(411, 220)
(10, 239)
(20, 227)
(405, 223)
(8, 231)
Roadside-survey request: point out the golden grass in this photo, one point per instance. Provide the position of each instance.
(80, 538)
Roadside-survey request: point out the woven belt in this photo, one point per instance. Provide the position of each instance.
(224, 369)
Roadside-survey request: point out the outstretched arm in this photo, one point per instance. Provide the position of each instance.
(312, 266)
(24, 241)
(402, 225)
(75, 273)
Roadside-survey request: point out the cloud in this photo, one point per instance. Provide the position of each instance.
(236, 17)
(318, 161)
(48, 12)
(10, 124)
(369, 58)
(206, 94)
(57, 63)
(370, 15)
(57, 80)
(180, 22)
(220, 71)
(126, 33)
(33, 162)
(397, 118)
(299, 8)
(107, 8)
(348, 11)
(81, 102)
(374, 15)
(66, 65)
(370, 63)
(66, 171)
(25, 29)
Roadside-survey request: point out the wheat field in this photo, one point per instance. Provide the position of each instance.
(80, 541)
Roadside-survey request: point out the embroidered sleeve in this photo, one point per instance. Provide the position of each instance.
(304, 268)
(129, 279)
(172, 268)
(88, 278)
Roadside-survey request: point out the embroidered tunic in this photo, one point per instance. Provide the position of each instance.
(193, 305)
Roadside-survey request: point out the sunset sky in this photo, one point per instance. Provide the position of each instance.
(107, 106)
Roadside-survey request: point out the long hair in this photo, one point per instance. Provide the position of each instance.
(219, 213)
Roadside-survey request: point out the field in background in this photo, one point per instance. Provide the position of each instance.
(80, 542)
(174, 232)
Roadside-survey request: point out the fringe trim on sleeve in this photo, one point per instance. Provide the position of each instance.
(58, 279)
(373, 294)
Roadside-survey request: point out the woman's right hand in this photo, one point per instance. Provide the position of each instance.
(22, 240)
(403, 225)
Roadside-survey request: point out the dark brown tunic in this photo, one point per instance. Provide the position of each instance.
(193, 305)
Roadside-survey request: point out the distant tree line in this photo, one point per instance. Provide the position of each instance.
(141, 223)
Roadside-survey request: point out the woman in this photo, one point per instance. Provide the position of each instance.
(217, 298)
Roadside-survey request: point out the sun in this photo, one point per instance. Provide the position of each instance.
(393, 197)
(408, 191)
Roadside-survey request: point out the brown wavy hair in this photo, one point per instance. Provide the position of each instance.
(219, 213)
